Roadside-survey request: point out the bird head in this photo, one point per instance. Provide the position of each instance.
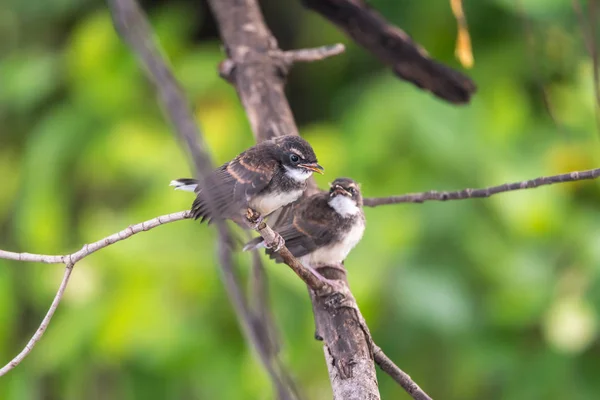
(297, 157)
(345, 196)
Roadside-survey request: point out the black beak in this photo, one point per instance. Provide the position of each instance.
(313, 167)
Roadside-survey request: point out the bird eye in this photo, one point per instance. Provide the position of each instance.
(351, 190)
(294, 158)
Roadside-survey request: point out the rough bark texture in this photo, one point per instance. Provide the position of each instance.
(258, 77)
(257, 69)
(347, 342)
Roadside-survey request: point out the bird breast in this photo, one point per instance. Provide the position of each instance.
(267, 203)
(337, 251)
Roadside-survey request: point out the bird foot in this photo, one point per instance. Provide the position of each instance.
(254, 218)
(277, 243)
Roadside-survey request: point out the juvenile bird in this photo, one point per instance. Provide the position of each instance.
(265, 177)
(323, 228)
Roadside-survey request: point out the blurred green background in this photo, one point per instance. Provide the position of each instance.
(477, 299)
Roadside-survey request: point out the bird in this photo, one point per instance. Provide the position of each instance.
(263, 178)
(321, 229)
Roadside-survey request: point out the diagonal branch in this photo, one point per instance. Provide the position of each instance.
(312, 280)
(40, 331)
(480, 193)
(253, 323)
(394, 48)
(134, 28)
(401, 377)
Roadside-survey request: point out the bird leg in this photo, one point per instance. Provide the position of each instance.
(277, 243)
(256, 222)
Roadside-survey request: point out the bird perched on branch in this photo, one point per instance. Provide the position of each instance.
(263, 178)
(323, 228)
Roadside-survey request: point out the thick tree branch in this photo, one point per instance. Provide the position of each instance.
(394, 48)
(258, 74)
(480, 193)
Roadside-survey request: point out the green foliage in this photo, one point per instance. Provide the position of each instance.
(492, 298)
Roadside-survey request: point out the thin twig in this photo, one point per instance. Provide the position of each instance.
(88, 249)
(70, 260)
(310, 55)
(480, 193)
(401, 377)
(40, 331)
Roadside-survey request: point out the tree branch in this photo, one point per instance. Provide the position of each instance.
(69, 260)
(394, 48)
(100, 244)
(134, 28)
(40, 331)
(309, 277)
(258, 74)
(401, 377)
(480, 193)
(310, 55)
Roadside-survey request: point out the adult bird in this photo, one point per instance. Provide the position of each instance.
(263, 178)
(321, 229)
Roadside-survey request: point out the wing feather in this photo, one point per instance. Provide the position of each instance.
(232, 185)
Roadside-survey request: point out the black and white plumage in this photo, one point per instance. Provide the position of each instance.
(323, 228)
(264, 178)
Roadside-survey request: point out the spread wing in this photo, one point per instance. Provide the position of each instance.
(232, 185)
(308, 229)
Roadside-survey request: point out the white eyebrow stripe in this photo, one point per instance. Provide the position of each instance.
(293, 150)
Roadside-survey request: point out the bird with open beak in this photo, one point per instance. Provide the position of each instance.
(323, 228)
(264, 178)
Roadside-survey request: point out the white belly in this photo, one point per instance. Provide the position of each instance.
(336, 253)
(265, 205)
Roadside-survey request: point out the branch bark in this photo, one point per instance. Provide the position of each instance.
(481, 193)
(257, 70)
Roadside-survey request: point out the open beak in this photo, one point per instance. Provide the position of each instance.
(313, 167)
(340, 190)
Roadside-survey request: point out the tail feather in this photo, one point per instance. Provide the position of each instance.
(185, 184)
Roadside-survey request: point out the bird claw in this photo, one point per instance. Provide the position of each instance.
(254, 219)
(277, 243)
